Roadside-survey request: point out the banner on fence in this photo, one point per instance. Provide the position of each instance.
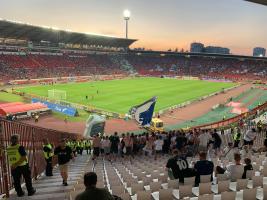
(57, 107)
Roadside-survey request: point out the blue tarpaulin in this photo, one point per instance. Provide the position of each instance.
(57, 107)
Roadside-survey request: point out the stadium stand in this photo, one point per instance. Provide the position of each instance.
(143, 176)
(58, 53)
(30, 66)
(47, 66)
(215, 67)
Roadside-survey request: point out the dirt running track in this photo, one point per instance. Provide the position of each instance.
(180, 115)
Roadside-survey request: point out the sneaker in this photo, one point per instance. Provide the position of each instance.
(21, 194)
(32, 192)
(65, 184)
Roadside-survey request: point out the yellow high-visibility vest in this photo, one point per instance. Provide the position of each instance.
(14, 155)
(48, 154)
(87, 144)
(237, 136)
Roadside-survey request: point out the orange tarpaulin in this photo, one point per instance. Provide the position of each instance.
(21, 108)
(3, 105)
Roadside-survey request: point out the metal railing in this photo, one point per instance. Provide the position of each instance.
(31, 137)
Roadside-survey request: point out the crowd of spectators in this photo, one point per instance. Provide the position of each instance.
(228, 68)
(32, 66)
(28, 66)
(207, 144)
(178, 146)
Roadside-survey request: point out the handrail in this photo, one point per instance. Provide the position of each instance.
(31, 137)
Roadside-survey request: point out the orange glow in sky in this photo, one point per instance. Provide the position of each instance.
(157, 24)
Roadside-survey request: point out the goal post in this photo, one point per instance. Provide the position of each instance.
(57, 94)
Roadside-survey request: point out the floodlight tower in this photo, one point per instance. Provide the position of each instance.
(126, 15)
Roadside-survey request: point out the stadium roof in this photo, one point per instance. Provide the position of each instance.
(263, 2)
(22, 31)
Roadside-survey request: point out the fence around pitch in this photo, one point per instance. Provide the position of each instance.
(262, 108)
(31, 137)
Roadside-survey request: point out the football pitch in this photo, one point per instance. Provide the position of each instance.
(120, 95)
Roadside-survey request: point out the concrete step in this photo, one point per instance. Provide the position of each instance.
(58, 178)
(57, 196)
(55, 184)
(48, 188)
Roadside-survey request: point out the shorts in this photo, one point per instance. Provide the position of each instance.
(102, 151)
(96, 151)
(236, 143)
(248, 142)
(64, 168)
(202, 148)
(114, 150)
(107, 150)
(158, 151)
(128, 151)
(216, 145)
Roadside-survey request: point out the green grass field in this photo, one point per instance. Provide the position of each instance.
(120, 95)
(7, 97)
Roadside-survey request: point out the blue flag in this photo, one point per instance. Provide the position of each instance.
(143, 113)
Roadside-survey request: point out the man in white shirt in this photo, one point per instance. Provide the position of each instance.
(203, 138)
(158, 146)
(249, 137)
(229, 152)
(233, 171)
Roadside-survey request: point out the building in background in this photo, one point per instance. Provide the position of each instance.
(196, 47)
(217, 50)
(259, 52)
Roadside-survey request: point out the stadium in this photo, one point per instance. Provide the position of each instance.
(58, 84)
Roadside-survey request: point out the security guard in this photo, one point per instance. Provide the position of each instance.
(237, 137)
(259, 126)
(88, 146)
(73, 146)
(82, 145)
(18, 161)
(78, 146)
(48, 155)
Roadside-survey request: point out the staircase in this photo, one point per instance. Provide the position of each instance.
(48, 188)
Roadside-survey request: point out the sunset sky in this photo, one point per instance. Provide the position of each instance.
(157, 24)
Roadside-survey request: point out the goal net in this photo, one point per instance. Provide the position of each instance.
(57, 94)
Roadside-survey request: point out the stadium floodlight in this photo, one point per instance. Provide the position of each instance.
(126, 14)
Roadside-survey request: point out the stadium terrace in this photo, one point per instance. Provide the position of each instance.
(84, 116)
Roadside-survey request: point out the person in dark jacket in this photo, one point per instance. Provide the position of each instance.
(203, 167)
(217, 142)
(247, 167)
(91, 191)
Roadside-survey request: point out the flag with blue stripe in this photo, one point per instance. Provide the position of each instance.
(143, 113)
